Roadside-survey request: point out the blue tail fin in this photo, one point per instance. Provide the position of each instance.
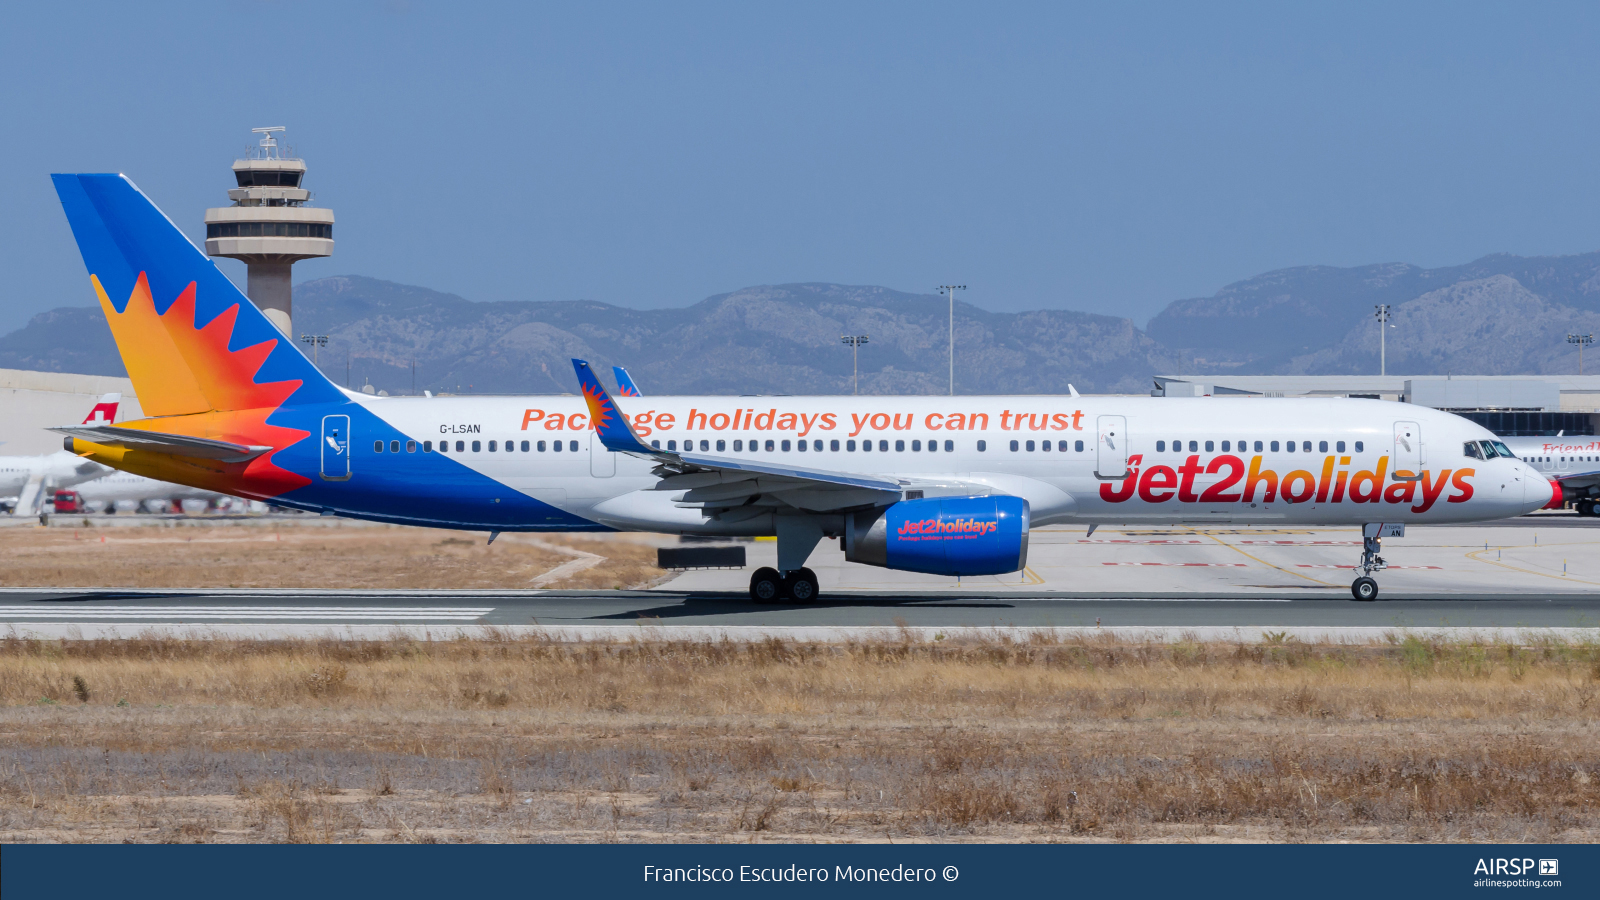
(190, 340)
(625, 385)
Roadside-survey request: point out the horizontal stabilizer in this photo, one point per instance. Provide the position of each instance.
(157, 442)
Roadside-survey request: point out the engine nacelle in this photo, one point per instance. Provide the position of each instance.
(942, 535)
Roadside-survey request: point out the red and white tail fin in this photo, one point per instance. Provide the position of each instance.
(104, 412)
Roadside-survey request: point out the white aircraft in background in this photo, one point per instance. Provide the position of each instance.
(33, 479)
(1571, 462)
(125, 490)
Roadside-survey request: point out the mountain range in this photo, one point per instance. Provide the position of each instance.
(1499, 315)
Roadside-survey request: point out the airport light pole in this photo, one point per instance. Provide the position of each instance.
(1383, 323)
(1580, 340)
(855, 341)
(951, 289)
(315, 340)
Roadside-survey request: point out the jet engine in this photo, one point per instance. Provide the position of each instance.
(942, 535)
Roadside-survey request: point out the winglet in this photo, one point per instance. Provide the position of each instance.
(625, 385)
(609, 422)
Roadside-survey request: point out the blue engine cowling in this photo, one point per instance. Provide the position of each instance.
(942, 536)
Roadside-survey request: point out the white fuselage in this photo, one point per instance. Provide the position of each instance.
(53, 471)
(1200, 460)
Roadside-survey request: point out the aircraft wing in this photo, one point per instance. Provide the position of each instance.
(157, 442)
(719, 482)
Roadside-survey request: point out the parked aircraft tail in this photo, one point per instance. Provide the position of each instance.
(104, 412)
(625, 385)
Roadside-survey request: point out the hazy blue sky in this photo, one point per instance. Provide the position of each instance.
(1107, 157)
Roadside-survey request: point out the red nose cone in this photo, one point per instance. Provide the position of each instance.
(1556, 501)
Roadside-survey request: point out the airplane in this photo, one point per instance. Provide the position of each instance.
(1572, 462)
(941, 485)
(625, 385)
(31, 479)
(117, 488)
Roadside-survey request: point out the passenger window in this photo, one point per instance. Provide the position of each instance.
(1062, 446)
(541, 447)
(1224, 446)
(833, 445)
(899, 446)
(461, 446)
(1194, 446)
(1015, 446)
(572, 446)
(1274, 446)
(816, 446)
(377, 446)
(1161, 446)
(786, 446)
(1030, 446)
(1078, 446)
(721, 446)
(1258, 447)
(1322, 446)
(883, 446)
(492, 445)
(1306, 446)
(1289, 446)
(1211, 446)
(866, 446)
(1359, 448)
(411, 446)
(477, 446)
(916, 446)
(394, 446)
(1339, 447)
(850, 446)
(1045, 446)
(982, 446)
(769, 446)
(427, 446)
(672, 445)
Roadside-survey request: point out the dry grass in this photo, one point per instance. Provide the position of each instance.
(315, 556)
(172, 740)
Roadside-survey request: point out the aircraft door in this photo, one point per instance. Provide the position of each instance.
(335, 448)
(1408, 459)
(1111, 448)
(602, 462)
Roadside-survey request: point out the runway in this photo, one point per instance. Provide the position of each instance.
(1537, 572)
(711, 615)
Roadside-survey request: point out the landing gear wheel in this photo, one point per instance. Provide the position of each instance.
(766, 585)
(803, 586)
(1364, 589)
(1585, 507)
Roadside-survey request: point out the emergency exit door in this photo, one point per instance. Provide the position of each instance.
(602, 462)
(335, 448)
(1111, 447)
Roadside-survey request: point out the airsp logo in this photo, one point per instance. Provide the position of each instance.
(1516, 867)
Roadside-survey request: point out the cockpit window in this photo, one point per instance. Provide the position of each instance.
(1471, 451)
(1488, 449)
(1503, 450)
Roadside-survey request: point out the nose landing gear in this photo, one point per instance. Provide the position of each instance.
(1365, 588)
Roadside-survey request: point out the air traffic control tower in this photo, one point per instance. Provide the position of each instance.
(269, 227)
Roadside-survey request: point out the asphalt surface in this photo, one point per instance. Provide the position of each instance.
(25, 609)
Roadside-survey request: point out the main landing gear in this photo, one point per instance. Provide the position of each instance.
(1364, 588)
(768, 585)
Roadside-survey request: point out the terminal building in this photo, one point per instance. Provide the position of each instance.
(1508, 405)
